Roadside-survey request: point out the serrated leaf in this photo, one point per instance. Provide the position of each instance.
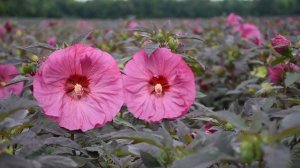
(278, 60)
(167, 139)
(276, 156)
(10, 161)
(17, 80)
(232, 118)
(291, 121)
(197, 67)
(291, 78)
(136, 137)
(150, 48)
(56, 162)
(123, 122)
(183, 132)
(62, 141)
(6, 108)
(141, 29)
(38, 45)
(149, 160)
(189, 36)
(204, 158)
(80, 38)
(200, 95)
(258, 119)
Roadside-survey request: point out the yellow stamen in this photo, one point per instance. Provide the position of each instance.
(2, 83)
(158, 89)
(78, 89)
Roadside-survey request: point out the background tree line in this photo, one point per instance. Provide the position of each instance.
(146, 8)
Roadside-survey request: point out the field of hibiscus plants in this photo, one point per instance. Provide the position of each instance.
(205, 93)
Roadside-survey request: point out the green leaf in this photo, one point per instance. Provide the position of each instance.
(276, 156)
(291, 78)
(12, 104)
(204, 158)
(200, 95)
(11, 161)
(17, 80)
(33, 48)
(136, 137)
(149, 160)
(232, 118)
(291, 121)
(150, 48)
(123, 122)
(278, 60)
(258, 119)
(197, 67)
(189, 36)
(56, 162)
(80, 38)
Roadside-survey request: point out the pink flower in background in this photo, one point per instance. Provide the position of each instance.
(51, 41)
(47, 23)
(233, 19)
(132, 24)
(208, 128)
(84, 26)
(251, 32)
(280, 43)
(290, 67)
(79, 87)
(159, 86)
(197, 29)
(7, 73)
(203, 85)
(275, 74)
(8, 27)
(2, 32)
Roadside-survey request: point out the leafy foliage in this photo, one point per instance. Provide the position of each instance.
(239, 119)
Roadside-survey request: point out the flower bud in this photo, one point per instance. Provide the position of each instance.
(250, 149)
(173, 43)
(27, 68)
(159, 37)
(276, 73)
(280, 43)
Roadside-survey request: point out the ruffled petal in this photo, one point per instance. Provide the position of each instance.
(83, 114)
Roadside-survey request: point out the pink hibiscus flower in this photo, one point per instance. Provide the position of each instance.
(51, 41)
(79, 87)
(2, 32)
(251, 32)
(280, 43)
(7, 73)
(233, 19)
(208, 128)
(132, 24)
(275, 74)
(197, 29)
(159, 86)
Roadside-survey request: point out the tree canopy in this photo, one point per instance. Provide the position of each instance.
(146, 8)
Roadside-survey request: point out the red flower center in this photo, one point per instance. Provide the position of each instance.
(77, 86)
(158, 85)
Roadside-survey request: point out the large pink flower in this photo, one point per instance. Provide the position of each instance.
(7, 73)
(80, 87)
(251, 32)
(159, 86)
(233, 19)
